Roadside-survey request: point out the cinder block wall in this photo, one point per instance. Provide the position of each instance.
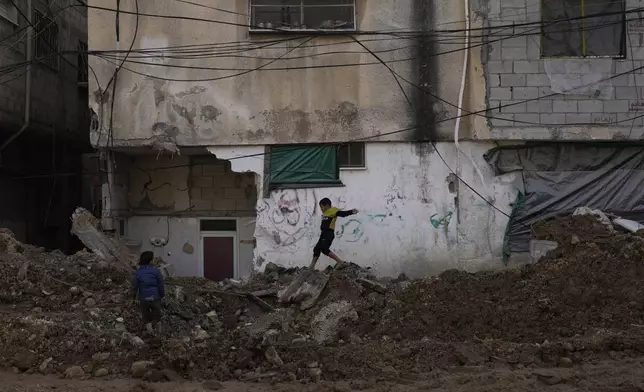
(515, 72)
(216, 189)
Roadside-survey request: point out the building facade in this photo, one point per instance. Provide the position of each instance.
(44, 117)
(230, 120)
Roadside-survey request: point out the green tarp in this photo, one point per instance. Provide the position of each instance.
(300, 165)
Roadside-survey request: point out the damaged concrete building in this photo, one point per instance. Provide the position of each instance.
(44, 117)
(229, 121)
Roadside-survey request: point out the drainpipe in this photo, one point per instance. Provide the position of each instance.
(457, 126)
(29, 56)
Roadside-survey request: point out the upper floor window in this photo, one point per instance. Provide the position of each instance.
(351, 156)
(583, 28)
(288, 15)
(46, 37)
(9, 11)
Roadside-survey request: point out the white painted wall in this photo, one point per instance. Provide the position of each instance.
(180, 231)
(402, 189)
(402, 195)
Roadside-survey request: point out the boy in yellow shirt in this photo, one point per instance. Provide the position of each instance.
(327, 228)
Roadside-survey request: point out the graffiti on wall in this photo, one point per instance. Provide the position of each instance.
(441, 220)
(290, 216)
(287, 216)
(353, 229)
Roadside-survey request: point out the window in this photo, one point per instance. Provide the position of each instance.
(218, 225)
(82, 63)
(351, 156)
(300, 166)
(326, 15)
(9, 11)
(570, 30)
(46, 37)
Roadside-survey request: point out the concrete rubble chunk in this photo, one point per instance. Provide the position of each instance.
(273, 357)
(305, 289)
(74, 372)
(325, 324)
(373, 285)
(85, 227)
(140, 368)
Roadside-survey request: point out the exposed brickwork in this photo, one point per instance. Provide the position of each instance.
(515, 72)
(216, 190)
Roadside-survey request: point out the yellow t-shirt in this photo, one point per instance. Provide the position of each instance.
(328, 219)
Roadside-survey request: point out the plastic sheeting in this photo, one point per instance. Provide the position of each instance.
(560, 177)
(302, 165)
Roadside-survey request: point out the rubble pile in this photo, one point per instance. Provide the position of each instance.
(72, 316)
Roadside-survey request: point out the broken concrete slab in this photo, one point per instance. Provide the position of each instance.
(373, 285)
(324, 325)
(85, 227)
(305, 289)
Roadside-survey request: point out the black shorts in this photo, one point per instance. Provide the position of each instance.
(324, 243)
(150, 310)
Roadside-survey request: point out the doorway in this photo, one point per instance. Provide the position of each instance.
(218, 249)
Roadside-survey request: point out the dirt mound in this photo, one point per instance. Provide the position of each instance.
(580, 303)
(591, 281)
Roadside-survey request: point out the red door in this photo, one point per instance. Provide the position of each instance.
(218, 258)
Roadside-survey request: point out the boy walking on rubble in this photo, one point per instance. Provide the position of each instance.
(327, 228)
(148, 285)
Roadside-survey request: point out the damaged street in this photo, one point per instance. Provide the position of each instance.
(573, 320)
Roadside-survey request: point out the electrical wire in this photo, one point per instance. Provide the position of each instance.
(380, 135)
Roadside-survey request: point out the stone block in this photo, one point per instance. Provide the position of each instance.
(201, 205)
(590, 106)
(564, 106)
(202, 182)
(526, 67)
(513, 80)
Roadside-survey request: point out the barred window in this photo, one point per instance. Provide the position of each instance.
(325, 15)
(583, 28)
(351, 156)
(46, 40)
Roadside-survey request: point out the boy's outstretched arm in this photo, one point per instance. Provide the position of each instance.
(343, 214)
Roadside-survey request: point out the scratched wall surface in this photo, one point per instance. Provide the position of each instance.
(414, 217)
(323, 90)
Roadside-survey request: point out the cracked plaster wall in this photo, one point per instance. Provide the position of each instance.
(289, 106)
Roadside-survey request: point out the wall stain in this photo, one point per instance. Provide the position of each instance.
(159, 95)
(182, 111)
(426, 66)
(209, 113)
(287, 124)
(191, 91)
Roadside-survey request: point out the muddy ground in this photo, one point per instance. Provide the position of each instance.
(613, 376)
(575, 320)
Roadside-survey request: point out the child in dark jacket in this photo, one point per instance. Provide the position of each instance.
(148, 285)
(327, 234)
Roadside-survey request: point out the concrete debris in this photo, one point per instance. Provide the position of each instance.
(273, 357)
(305, 289)
(68, 315)
(140, 368)
(598, 214)
(85, 227)
(43, 366)
(74, 372)
(325, 324)
(373, 285)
